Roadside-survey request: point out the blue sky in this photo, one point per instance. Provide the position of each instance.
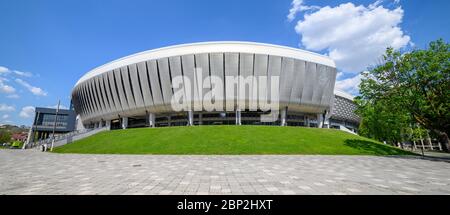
(46, 46)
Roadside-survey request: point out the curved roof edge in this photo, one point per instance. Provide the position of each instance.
(343, 94)
(204, 47)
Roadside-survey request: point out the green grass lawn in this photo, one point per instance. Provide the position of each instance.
(229, 140)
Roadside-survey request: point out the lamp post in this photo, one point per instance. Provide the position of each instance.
(31, 133)
(54, 126)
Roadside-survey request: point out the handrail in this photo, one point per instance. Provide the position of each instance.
(61, 137)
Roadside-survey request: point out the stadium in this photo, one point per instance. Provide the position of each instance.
(138, 91)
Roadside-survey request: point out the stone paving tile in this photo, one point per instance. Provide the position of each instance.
(31, 172)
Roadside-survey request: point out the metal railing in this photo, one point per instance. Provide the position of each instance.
(60, 137)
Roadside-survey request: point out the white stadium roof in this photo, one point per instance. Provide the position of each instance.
(211, 47)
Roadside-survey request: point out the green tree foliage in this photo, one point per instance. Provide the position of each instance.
(380, 122)
(17, 144)
(406, 89)
(5, 136)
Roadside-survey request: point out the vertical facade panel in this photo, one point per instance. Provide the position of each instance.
(176, 72)
(202, 63)
(89, 97)
(75, 99)
(175, 66)
(154, 83)
(101, 87)
(127, 85)
(136, 86)
(217, 70)
(109, 95)
(81, 96)
(320, 84)
(328, 95)
(114, 91)
(310, 82)
(85, 98)
(299, 81)
(166, 83)
(145, 84)
(246, 64)
(231, 70)
(96, 102)
(77, 93)
(246, 71)
(287, 72)
(188, 66)
(261, 64)
(120, 89)
(99, 95)
(274, 69)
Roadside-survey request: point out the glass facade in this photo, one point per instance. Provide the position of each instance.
(47, 120)
(215, 118)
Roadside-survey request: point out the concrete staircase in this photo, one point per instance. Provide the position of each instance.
(64, 139)
(343, 128)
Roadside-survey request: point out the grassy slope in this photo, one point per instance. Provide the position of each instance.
(229, 140)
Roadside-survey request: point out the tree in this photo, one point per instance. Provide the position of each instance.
(381, 122)
(5, 136)
(414, 84)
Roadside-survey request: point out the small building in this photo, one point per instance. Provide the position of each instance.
(21, 136)
(44, 123)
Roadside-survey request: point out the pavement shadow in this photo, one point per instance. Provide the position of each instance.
(377, 149)
(390, 152)
(420, 157)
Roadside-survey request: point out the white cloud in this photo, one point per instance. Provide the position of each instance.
(13, 96)
(35, 90)
(27, 112)
(375, 4)
(6, 108)
(5, 88)
(349, 85)
(8, 89)
(5, 116)
(23, 74)
(354, 36)
(298, 6)
(3, 70)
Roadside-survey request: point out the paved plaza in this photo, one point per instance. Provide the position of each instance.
(33, 172)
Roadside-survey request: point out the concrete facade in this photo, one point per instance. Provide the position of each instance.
(343, 112)
(137, 90)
